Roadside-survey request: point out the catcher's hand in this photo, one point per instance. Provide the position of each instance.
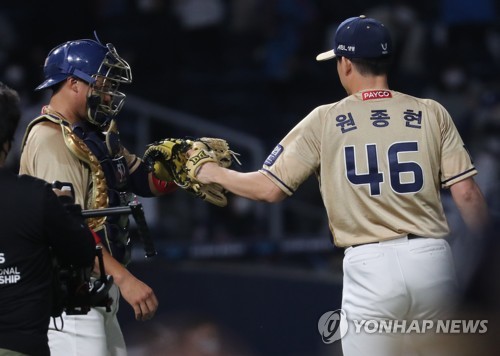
(168, 160)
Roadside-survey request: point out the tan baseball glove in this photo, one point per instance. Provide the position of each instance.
(168, 160)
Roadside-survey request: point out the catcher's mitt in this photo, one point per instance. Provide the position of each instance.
(168, 160)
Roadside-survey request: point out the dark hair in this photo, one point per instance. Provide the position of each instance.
(372, 66)
(10, 113)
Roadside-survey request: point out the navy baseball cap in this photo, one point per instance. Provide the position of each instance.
(359, 37)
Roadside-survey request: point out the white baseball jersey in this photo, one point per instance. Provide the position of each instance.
(381, 158)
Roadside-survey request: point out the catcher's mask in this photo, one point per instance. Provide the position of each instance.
(98, 65)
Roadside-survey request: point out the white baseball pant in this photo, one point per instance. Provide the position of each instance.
(401, 279)
(97, 333)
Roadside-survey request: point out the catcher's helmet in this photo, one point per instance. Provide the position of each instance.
(97, 64)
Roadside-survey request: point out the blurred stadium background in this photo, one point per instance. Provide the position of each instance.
(253, 278)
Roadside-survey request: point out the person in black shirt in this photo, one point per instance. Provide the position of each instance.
(33, 221)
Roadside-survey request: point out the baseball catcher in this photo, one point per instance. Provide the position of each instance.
(169, 160)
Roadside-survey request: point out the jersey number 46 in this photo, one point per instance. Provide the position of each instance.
(374, 177)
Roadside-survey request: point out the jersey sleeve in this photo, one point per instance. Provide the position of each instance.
(456, 162)
(297, 156)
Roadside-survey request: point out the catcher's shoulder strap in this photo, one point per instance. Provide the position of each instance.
(69, 138)
(38, 120)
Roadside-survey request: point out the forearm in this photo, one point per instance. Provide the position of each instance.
(471, 204)
(138, 294)
(251, 185)
(113, 267)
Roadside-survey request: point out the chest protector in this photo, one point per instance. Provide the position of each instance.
(101, 151)
(106, 147)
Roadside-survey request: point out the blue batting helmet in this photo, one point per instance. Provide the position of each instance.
(81, 59)
(90, 60)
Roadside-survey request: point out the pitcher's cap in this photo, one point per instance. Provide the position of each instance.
(359, 37)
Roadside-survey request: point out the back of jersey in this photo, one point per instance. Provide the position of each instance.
(384, 157)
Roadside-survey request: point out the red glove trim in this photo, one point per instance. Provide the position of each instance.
(162, 186)
(97, 238)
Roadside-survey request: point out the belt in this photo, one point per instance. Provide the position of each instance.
(410, 237)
